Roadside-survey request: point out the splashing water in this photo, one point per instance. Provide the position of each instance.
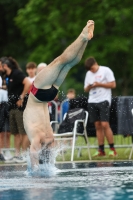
(46, 166)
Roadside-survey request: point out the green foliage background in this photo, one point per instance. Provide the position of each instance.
(39, 30)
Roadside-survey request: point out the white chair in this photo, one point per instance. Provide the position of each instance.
(131, 152)
(72, 135)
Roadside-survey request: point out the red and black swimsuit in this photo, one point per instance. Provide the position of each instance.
(44, 94)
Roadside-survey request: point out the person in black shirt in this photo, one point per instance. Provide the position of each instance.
(18, 86)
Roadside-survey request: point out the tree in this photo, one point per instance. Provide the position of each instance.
(11, 40)
(50, 26)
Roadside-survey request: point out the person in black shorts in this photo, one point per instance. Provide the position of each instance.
(45, 88)
(99, 81)
(4, 128)
(4, 122)
(17, 86)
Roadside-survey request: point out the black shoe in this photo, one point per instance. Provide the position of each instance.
(2, 157)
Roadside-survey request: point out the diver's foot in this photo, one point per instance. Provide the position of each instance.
(88, 30)
(90, 25)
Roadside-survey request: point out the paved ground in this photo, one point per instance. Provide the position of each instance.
(65, 162)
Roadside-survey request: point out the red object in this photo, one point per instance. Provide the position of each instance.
(113, 149)
(33, 89)
(100, 153)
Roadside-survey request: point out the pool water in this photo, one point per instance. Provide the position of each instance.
(71, 181)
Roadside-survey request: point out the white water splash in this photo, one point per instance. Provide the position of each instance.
(46, 166)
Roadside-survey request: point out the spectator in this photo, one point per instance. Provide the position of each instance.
(99, 81)
(4, 124)
(40, 67)
(0, 82)
(71, 94)
(18, 85)
(31, 71)
(56, 99)
(1, 135)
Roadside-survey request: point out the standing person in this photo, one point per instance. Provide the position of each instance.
(4, 124)
(99, 81)
(1, 120)
(0, 82)
(45, 88)
(31, 68)
(5, 134)
(71, 94)
(17, 85)
(40, 66)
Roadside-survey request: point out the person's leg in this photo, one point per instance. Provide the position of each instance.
(99, 133)
(7, 142)
(17, 144)
(108, 132)
(1, 146)
(94, 117)
(6, 133)
(109, 136)
(64, 71)
(71, 56)
(2, 133)
(14, 131)
(21, 130)
(104, 117)
(7, 126)
(100, 138)
(4, 127)
(7, 154)
(2, 140)
(25, 142)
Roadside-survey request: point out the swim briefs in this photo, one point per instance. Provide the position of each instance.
(44, 94)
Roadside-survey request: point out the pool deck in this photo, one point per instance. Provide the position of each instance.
(67, 162)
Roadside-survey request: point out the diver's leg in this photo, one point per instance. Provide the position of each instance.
(71, 56)
(63, 73)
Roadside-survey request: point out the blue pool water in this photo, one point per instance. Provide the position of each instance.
(72, 181)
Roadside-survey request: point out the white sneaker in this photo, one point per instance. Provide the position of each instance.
(8, 155)
(16, 159)
(20, 159)
(11, 160)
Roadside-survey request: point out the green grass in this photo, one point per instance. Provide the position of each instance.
(123, 153)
